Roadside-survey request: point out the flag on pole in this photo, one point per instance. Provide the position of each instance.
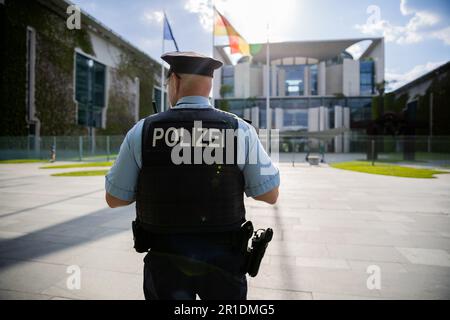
(168, 34)
(222, 27)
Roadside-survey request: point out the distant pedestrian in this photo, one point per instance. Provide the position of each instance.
(53, 153)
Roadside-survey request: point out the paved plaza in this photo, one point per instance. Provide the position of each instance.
(330, 227)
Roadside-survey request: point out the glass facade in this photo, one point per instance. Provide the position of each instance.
(295, 110)
(294, 83)
(90, 86)
(367, 77)
(228, 80)
(296, 118)
(313, 79)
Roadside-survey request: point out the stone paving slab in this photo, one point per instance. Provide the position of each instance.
(330, 226)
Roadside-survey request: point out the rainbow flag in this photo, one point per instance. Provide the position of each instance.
(222, 27)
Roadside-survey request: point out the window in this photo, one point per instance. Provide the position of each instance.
(90, 82)
(313, 79)
(228, 81)
(294, 80)
(367, 79)
(297, 118)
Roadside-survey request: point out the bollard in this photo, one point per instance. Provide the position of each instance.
(107, 148)
(80, 147)
(373, 152)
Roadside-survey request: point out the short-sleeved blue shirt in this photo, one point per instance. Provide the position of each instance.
(260, 176)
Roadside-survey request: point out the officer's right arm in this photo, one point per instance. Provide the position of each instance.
(262, 177)
(114, 202)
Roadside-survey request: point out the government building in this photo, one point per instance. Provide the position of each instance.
(314, 85)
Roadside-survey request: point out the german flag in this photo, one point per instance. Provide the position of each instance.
(222, 27)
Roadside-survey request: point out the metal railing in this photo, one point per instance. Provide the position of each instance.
(421, 150)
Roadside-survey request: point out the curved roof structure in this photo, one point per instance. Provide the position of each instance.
(317, 49)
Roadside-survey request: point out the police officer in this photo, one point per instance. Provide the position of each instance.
(192, 210)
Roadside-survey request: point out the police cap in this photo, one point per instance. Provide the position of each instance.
(191, 63)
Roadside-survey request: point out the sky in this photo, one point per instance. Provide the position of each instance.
(417, 32)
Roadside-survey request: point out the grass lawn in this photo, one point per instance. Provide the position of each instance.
(386, 169)
(22, 161)
(91, 173)
(80, 165)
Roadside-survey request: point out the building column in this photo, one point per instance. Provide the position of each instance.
(274, 83)
(346, 117)
(217, 84)
(313, 120)
(265, 80)
(321, 78)
(281, 82)
(323, 118)
(255, 116)
(306, 80)
(247, 113)
(279, 117)
(338, 123)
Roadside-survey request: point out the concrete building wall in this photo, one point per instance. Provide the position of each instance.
(346, 118)
(247, 113)
(321, 79)
(417, 90)
(318, 119)
(273, 82)
(105, 52)
(256, 82)
(313, 119)
(279, 118)
(307, 79)
(323, 118)
(264, 84)
(338, 117)
(351, 77)
(281, 83)
(242, 80)
(217, 83)
(378, 55)
(255, 116)
(334, 79)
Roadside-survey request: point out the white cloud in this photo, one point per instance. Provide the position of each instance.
(396, 80)
(203, 9)
(250, 17)
(443, 34)
(152, 16)
(414, 31)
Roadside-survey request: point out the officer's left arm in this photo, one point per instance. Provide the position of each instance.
(121, 180)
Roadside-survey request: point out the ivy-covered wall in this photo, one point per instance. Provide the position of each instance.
(55, 47)
(120, 112)
(440, 87)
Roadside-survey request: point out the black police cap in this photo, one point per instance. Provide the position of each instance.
(191, 63)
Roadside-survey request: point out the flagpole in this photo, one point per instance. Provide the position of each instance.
(162, 67)
(213, 43)
(268, 113)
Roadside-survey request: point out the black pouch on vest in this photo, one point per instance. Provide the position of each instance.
(141, 237)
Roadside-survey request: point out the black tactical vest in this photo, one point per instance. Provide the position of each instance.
(189, 197)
